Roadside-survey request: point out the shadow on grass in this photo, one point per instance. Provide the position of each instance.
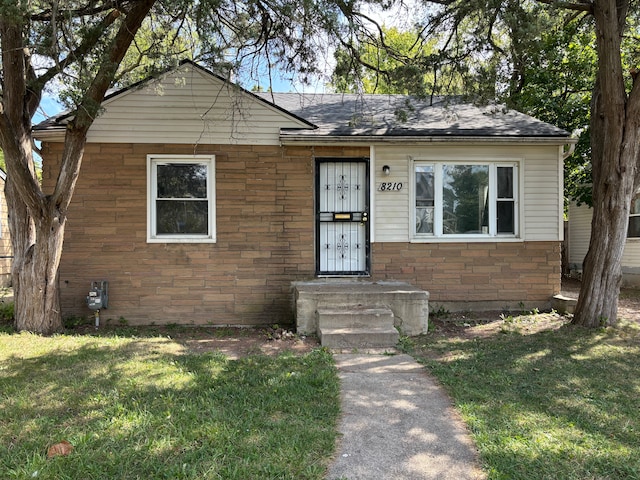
(559, 404)
(153, 331)
(131, 410)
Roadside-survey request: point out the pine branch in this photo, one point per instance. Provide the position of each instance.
(90, 40)
(87, 110)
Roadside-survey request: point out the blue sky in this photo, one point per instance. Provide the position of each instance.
(49, 106)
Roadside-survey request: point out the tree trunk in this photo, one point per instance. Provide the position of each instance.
(615, 134)
(37, 241)
(34, 274)
(602, 275)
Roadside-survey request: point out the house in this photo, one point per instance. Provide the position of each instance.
(6, 251)
(579, 235)
(202, 203)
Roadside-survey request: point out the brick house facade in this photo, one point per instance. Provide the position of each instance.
(266, 222)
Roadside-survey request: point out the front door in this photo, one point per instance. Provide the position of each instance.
(342, 215)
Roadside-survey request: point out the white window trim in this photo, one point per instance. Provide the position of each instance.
(492, 236)
(155, 159)
(632, 215)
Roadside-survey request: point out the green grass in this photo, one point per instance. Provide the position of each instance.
(144, 408)
(545, 403)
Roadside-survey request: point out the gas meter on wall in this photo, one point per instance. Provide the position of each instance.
(98, 297)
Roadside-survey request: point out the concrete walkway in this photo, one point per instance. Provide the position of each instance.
(398, 424)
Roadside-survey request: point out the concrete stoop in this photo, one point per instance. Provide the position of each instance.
(564, 304)
(356, 327)
(372, 311)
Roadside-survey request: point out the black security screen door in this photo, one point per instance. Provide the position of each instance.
(342, 216)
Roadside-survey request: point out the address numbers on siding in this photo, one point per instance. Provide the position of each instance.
(390, 187)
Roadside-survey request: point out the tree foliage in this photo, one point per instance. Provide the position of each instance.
(555, 85)
(399, 67)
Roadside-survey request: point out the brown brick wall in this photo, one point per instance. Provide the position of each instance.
(265, 228)
(5, 241)
(502, 273)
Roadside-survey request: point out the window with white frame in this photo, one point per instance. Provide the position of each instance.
(634, 218)
(181, 203)
(465, 199)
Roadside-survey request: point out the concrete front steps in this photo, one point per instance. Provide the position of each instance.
(356, 327)
(333, 298)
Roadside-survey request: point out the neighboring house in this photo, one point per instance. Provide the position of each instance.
(201, 203)
(6, 252)
(579, 234)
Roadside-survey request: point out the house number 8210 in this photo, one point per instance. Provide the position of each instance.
(390, 186)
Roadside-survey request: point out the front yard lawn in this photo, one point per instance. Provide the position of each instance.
(543, 399)
(146, 408)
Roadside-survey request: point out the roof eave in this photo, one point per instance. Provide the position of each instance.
(310, 139)
(49, 133)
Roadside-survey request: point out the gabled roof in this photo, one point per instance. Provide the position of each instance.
(64, 117)
(350, 115)
(190, 104)
(184, 105)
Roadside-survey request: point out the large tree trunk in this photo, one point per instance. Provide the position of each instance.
(598, 300)
(34, 272)
(37, 241)
(615, 134)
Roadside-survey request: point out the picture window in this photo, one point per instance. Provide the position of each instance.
(465, 199)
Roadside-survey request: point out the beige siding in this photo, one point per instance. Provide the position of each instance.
(542, 194)
(540, 186)
(189, 106)
(391, 208)
(580, 233)
(631, 256)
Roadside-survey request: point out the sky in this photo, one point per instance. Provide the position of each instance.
(49, 106)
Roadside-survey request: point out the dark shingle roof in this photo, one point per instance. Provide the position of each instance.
(389, 116)
(401, 115)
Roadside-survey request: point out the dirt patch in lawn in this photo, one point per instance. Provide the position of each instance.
(628, 301)
(486, 324)
(241, 342)
(231, 341)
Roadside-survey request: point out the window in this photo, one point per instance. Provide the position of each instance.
(505, 201)
(424, 199)
(634, 218)
(465, 199)
(181, 198)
